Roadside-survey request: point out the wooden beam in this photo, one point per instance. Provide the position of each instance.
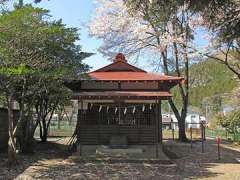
(158, 120)
(117, 89)
(120, 98)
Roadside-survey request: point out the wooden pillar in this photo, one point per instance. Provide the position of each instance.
(119, 116)
(138, 127)
(79, 120)
(79, 116)
(160, 135)
(157, 127)
(98, 127)
(159, 121)
(159, 102)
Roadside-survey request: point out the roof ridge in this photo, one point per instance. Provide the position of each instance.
(133, 68)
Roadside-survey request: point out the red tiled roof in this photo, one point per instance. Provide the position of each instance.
(128, 76)
(119, 65)
(109, 94)
(120, 70)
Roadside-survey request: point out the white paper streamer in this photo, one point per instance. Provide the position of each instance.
(116, 110)
(100, 108)
(150, 107)
(134, 109)
(107, 109)
(125, 110)
(143, 108)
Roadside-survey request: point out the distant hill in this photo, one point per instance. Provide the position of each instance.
(208, 78)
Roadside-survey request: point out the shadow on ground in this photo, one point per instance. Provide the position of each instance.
(51, 162)
(192, 163)
(43, 152)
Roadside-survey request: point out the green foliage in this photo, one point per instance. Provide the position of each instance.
(34, 48)
(221, 120)
(224, 19)
(27, 37)
(18, 70)
(217, 120)
(209, 80)
(36, 54)
(233, 121)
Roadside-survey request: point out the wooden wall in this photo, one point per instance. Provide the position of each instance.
(93, 134)
(4, 127)
(97, 127)
(114, 85)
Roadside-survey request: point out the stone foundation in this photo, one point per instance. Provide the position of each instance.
(133, 151)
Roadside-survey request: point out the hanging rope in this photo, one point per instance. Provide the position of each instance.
(133, 107)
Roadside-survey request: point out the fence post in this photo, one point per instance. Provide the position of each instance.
(173, 133)
(202, 137)
(191, 135)
(204, 131)
(218, 141)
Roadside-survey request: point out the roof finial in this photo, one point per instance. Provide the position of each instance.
(120, 57)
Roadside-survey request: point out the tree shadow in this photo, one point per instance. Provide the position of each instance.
(42, 151)
(52, 162)
(192, 163)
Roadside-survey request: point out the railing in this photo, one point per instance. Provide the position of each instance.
(60, 129)
(223, 134)
(194, 131)
(198, 131)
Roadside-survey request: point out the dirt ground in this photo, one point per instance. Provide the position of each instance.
(51, 161)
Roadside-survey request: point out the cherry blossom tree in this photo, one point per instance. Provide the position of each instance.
(138, 29)
(120, 31)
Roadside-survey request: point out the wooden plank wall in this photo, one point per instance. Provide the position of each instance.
(94, 134)
(97, 127)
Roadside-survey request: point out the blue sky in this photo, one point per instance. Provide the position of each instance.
(76, 13)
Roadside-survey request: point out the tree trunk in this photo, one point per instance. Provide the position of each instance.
(44, 131)
(24, 128)
(181, 121)
(46, 123)
(45, 134)
(184, 91)
(179, 116)
(40, 130)
(27, 140)
(12, 159)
